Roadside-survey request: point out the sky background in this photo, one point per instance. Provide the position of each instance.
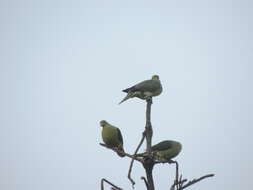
(63, 65)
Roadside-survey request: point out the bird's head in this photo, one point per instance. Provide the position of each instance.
(155, 77)
(103, 123)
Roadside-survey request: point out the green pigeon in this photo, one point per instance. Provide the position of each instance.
(145, 89)
(112, 137)
(166, 150)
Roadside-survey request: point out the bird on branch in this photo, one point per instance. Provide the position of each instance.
(165, 150)
(112, 137)
(145, 89)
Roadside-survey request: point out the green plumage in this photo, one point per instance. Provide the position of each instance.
(166, 150)
(111, 136)
(145, 89)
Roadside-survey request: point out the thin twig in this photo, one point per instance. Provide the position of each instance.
(196, 180)
(145, 181)
(173, 186)
(122, 153)
(176, 181)
(179, 183)
(134, 158)
(105, 180)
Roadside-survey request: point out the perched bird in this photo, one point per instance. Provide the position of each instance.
(166, 150)
(145, 89)
(112, 137)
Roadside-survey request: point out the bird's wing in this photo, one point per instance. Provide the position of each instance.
(147, 85)
(120, 138)
(164, 145)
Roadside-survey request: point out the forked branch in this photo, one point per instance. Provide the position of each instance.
(134, 158)
(178, 182)
(110, 183)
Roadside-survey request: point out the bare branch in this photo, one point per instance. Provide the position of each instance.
(148, 127)
(176, 181)
(172, 187)
(149, 161)
(181, 182)
(122, 153)
(145, 181)
(134, 158)
(196, 180)
(114, 186)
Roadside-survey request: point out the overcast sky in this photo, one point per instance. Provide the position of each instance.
(64, 63)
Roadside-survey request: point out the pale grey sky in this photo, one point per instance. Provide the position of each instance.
(63, 65)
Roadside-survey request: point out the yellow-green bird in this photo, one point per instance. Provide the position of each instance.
(145, 89)
(112, 137)
(166, 150)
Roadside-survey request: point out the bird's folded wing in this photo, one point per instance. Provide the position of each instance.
(164, 145)
(147, 85)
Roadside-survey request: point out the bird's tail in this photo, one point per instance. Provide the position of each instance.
(127, 90)
(129, 95)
